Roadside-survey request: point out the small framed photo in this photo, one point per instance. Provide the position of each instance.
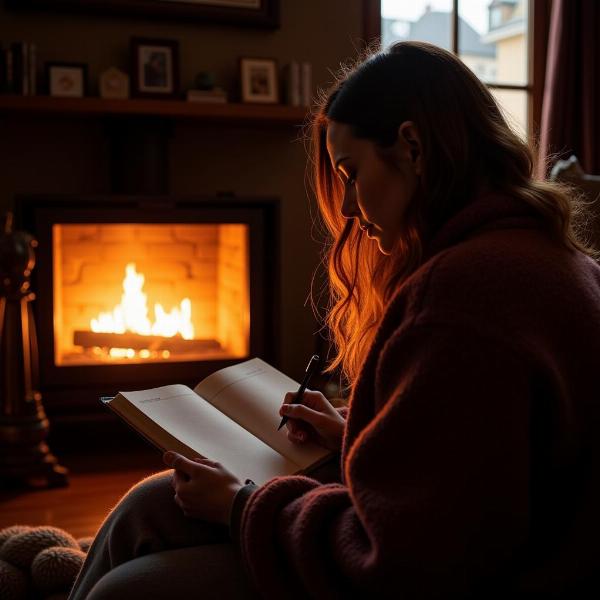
(259, 82)
(66, 79)
(155, 68)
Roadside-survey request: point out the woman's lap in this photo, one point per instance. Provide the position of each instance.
(147, 548)
(146, 543)
(149, 510)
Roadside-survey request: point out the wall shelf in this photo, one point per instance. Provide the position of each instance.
(273, 114)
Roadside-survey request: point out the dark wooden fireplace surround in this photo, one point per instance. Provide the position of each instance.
(71, 394)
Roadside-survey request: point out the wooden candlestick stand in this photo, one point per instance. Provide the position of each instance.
(24, 455)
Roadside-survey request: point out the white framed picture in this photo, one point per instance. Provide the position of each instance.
(259, 80)
(66, 79)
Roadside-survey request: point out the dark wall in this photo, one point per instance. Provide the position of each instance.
(70, 155)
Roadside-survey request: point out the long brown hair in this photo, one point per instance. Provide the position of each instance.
(466, 143)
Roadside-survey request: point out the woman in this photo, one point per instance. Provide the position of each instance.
(466, 317)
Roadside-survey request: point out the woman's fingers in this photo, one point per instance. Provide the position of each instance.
(310, 398)
(183, 468)
(289, 398)
(313, 419)
(297, 436)
(178, 462)
(300, 411)
(206, 461)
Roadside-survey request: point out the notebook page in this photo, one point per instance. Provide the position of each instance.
(204, 429)
(251, 393)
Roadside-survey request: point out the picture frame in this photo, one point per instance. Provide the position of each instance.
(247, 13)
(259, 80)
(154, 68)
(66, 79)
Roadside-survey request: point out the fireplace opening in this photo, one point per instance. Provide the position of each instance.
(136, 293)
(133, 292)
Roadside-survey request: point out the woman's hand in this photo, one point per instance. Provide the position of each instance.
(204, 489)
(315, 419)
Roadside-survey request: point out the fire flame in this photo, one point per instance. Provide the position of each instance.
(132, 313)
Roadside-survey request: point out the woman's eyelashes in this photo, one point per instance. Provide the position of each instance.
(347, 178)
(351, 179)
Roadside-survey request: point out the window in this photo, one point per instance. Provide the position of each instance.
(492, 37)
(495, 17)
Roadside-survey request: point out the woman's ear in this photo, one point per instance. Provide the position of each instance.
(410, 141)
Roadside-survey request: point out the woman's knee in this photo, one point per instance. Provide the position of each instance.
(140, 504)
(150, 490)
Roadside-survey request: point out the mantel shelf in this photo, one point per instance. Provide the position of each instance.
(274, 114)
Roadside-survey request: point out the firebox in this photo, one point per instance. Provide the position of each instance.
(144, 291)
(149, 293)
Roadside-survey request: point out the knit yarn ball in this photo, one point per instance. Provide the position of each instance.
(55, 569)
(8, 532)
(20, 550)
(13, 582)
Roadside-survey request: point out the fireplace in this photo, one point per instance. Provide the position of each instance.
(144, 291)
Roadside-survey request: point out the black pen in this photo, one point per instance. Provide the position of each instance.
(313, 363)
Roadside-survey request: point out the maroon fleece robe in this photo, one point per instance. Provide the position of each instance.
(470, 459)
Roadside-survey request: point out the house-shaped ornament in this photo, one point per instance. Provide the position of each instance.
(114, 83)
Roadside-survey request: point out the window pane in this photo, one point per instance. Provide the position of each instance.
(514, 107)
(424, 20)
(493, 39)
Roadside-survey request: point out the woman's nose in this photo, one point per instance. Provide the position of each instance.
(349, 205)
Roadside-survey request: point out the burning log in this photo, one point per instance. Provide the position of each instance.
(175, 344)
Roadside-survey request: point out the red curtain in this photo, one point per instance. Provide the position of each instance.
(571, 101)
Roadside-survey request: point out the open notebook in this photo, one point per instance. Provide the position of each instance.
(231, 416)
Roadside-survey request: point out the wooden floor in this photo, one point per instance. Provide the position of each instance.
(97, 479)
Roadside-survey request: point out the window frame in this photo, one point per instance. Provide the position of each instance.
(538, 18)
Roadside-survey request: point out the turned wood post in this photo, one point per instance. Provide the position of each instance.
(24, 455)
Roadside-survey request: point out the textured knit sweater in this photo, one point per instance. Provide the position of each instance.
(470, 460)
